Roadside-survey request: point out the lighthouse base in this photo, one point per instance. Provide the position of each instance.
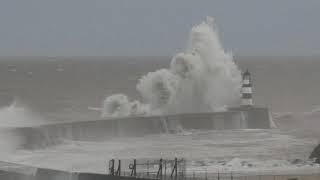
(256, 117)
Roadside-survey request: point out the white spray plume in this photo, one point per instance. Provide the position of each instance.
(14, 116)
(204, 78)
(118, 105)
(159, 89)
(18, 115)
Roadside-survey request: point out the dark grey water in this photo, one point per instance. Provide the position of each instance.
(63, 88)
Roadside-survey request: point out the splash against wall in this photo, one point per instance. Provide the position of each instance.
(203, 78)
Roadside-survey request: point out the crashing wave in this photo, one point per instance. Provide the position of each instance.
(203, 78)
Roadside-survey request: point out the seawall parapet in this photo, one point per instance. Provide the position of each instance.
(104, 129)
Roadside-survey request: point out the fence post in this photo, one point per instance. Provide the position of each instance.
(133, 168)
(206, 174)
(148, 168)
(118, 172)
(111, 167)
(175, 169)
(159, 173)
(176, 166)
(165, 169)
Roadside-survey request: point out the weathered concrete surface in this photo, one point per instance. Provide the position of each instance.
(91, 176)
(10, 171)
(5, 175)
(102, 130)
(256, 117)
(51, 174)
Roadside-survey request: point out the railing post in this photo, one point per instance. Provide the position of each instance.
(176, 166)
(165, 169)
(148, 168)
(111, 167)
(175, 169)
(206, 175)
(159, 173)
(133, 168)
(118, 172)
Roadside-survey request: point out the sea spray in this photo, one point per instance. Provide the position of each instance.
(203, 78)
(12, 117)
(119, 105)
(18, 115)
(159, 89)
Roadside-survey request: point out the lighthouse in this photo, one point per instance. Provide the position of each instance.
(246, 89)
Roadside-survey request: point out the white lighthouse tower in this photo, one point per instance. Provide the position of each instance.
(246, 89)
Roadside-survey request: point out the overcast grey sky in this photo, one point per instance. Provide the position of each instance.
(154, 27)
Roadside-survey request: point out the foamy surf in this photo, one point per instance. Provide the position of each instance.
(246, 151)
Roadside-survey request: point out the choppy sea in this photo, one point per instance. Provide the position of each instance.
(40, 90)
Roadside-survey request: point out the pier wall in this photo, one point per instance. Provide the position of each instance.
(102, 130)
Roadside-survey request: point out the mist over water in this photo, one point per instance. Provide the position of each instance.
(13, 116)
(18, 115)
(203, 78)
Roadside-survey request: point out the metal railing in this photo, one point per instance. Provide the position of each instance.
(222, 176)
(166, 169)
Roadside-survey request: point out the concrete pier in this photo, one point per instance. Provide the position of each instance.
(104, 129)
